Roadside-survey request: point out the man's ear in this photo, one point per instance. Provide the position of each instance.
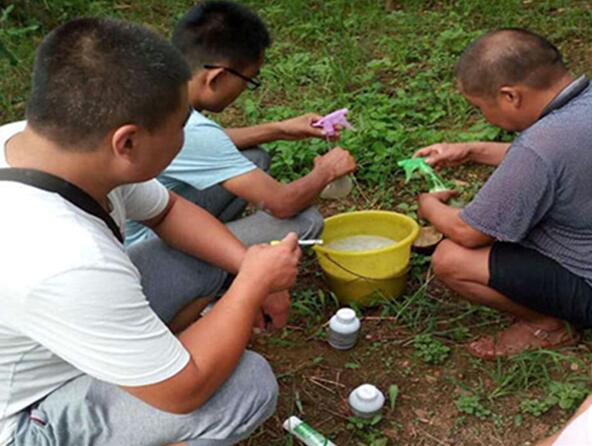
(212, 76)
(125, 141)
(510, 96)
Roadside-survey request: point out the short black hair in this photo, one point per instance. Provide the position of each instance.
(215, 31)
(508, 56)
(92, 75)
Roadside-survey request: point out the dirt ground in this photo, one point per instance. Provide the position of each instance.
(425, 411)
(315, 379)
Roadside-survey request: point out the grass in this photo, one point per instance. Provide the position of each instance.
(393, 70)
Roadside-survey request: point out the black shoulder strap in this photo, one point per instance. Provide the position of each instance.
(65, 189)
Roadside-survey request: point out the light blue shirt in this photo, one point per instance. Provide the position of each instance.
(208, 157)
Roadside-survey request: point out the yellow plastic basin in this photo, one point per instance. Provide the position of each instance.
(361, 276)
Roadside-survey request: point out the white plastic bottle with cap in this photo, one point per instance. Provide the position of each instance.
(339, 188)
(366, 401)
(344, 327)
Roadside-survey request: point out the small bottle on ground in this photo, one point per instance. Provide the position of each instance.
(305, 433)
(344, 328)
(366, 401)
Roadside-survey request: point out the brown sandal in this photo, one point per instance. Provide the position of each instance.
(520, 337)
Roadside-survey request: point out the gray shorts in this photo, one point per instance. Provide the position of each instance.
(86, 411)
(89, 412)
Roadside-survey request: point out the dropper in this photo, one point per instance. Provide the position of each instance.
(304, 242)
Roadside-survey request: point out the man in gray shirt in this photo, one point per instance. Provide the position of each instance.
(524, 244)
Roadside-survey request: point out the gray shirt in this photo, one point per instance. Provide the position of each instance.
(540, 196)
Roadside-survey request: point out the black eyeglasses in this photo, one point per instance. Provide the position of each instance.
(252, 83)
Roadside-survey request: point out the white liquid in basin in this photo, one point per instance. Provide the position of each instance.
(360, 243)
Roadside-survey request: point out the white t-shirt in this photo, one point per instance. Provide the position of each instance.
(578, 432)
(71, 302)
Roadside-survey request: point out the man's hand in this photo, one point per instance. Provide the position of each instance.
(447, 220)
(274, 267)
(445, 155)
(423, 200)
(301, 127)
(276, 309)
(336, 163)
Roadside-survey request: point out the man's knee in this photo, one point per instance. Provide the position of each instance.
(245, 401)
(267, 389)
(312, 224)
(259, 157)
(258, 388)
(447, 260)
(171, 279)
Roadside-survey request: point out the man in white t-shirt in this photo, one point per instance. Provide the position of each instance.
(85, 357)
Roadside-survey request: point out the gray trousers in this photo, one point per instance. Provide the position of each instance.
(259, 227)
(178, 278)
(89, 412)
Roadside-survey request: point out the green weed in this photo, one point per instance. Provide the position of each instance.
(368, 430)
(526, 371)
(393, 394)
(472, 405)
(567, 396)
(430, 350)
(313, 306)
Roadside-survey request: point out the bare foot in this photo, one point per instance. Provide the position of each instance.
(520, 337)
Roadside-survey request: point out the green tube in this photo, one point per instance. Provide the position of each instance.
(305, 433)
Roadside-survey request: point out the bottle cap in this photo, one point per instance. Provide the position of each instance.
(346, 315)
(367, 392)
(366, 401)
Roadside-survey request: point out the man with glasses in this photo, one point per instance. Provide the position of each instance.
(252, 83)
(219, 169)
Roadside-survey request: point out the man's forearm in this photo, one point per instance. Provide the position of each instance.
(194, 231)
(245, 137)
(443, 217)
(231, 321)
(215, 344)
(446, 219)
(299, 194)
(490, 153)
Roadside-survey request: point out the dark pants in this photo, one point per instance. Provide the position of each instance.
(531, 279)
